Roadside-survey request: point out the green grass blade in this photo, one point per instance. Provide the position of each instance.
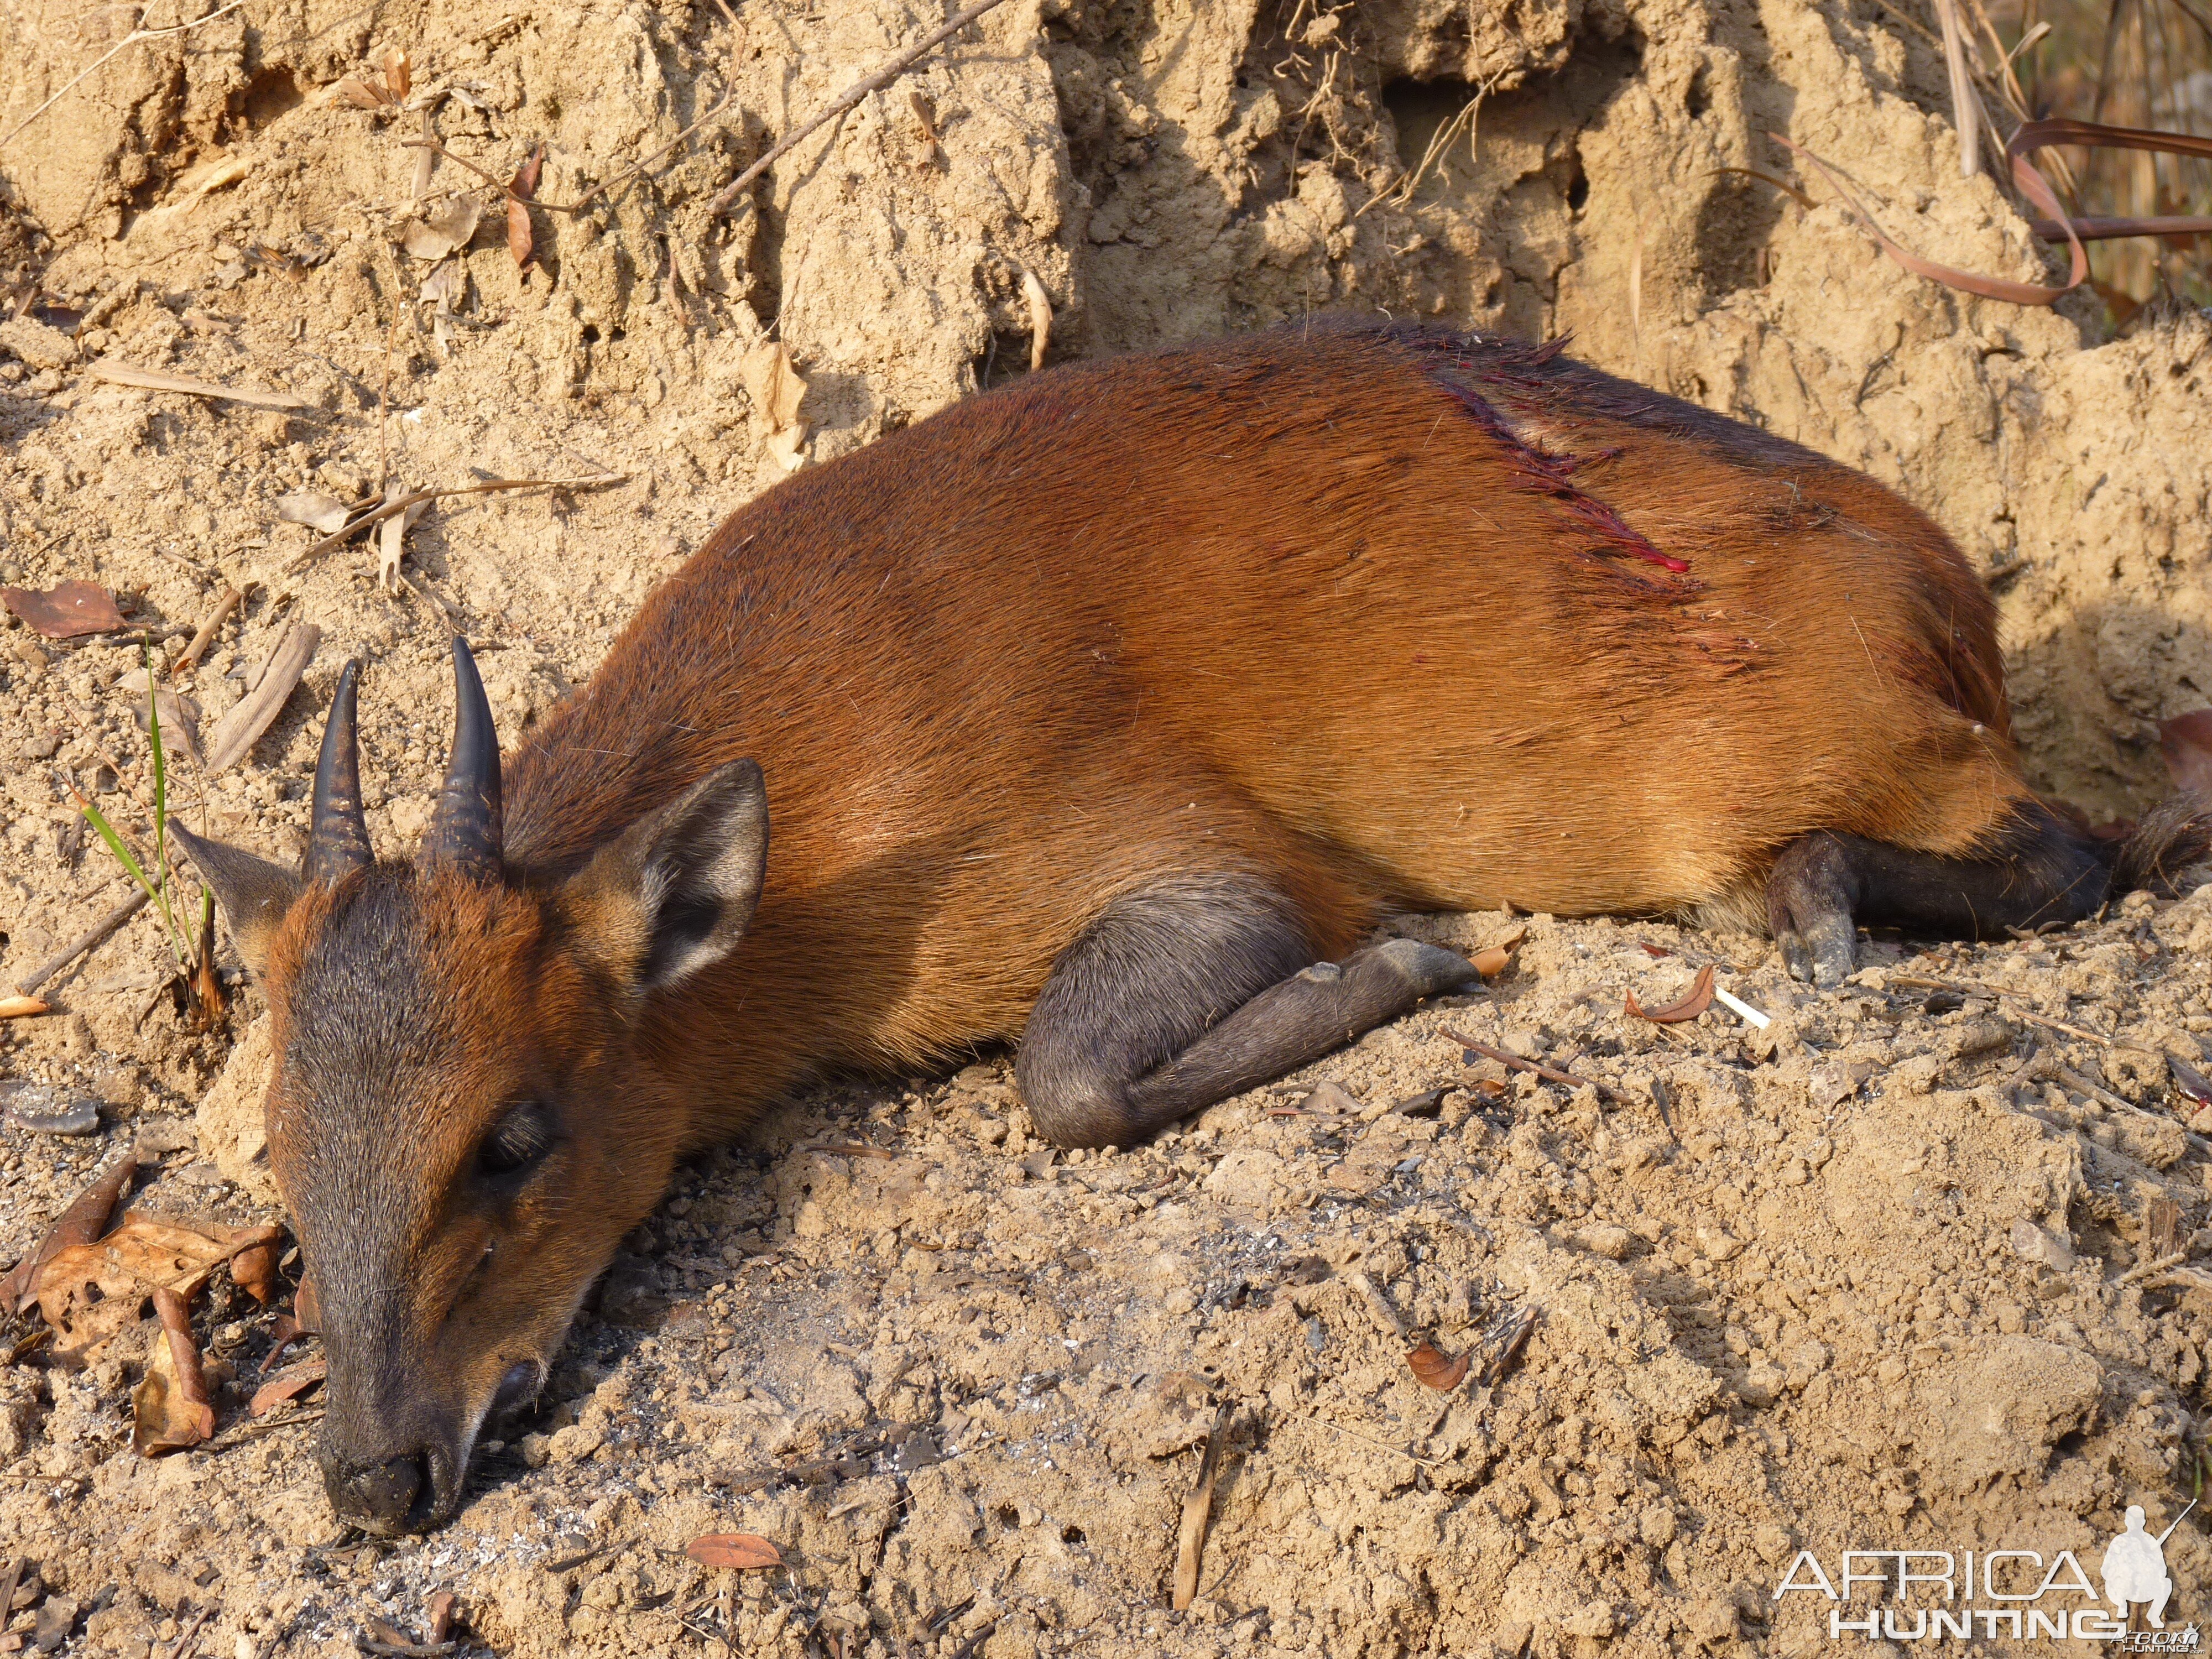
(115, 845)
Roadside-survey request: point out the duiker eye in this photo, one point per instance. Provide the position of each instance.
(519, 1142)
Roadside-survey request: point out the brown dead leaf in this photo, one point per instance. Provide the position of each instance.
(398, 77)
(1699, 999)
(740, 1550)
(363, 95)
(1657, 952)
(1432, 1370)
(170, 1410)
(441, 1608)
(2187, 741)
(82, 1223)
(307, 1307)
(66, 611)
(253, 1269)
(519, 241)
(287, 1384)
(90, 1293)
(1493, 960)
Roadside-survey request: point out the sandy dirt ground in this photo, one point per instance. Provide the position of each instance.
(1909, 1266)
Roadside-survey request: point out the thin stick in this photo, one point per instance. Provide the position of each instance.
(378, 514)
(70, 952)
(130, 40)
(1514, 1062)
(190, 657)
(584, 200)
(1965, 107)
(1379, 1445)
(2011, 1000)
(727, 196)
(2144, 1270)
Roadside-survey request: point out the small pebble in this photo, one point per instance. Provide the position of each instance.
(42, 1111)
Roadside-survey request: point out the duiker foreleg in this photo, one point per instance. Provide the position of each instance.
(1194, 990)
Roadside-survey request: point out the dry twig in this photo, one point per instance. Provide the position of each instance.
(114, 51)
(378, 513)
(1550, 1074)
(147, 380)
(727, 196)
(96, 935)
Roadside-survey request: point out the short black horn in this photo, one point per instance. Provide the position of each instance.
(338, 843)
(465, 829)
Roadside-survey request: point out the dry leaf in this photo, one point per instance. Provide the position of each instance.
(198, 184)
(307, 1307)
(254, 1271)
(236, 731)
(1431, 1370)
(23, 1007)
(776, 388)
(398, 79)
(325, 515)
(1198, 1507)
(1495, 959)
(82, 1222)
(391, 537)
(1699, 999)
(170, 1410)
(441, 1610)
(361, 95)
(2187, 741)
(89, 1292)
(449, 228)
(287, 1384)
(740, 1550)
(151, 379)
(66, 610)
(519, 241)
(180, 719)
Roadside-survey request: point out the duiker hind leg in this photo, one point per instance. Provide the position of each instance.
(1191, 991)
(1824, 886)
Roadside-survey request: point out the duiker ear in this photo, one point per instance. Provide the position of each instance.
(254, 894)
(674, 894)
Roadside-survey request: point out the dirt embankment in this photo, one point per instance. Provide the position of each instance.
(1862, 1283)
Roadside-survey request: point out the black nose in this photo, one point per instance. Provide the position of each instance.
(384, 1497)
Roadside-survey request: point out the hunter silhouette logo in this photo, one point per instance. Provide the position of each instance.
(2135, 1568)
(2005, 1592)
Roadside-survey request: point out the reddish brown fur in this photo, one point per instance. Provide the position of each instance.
(1275, 602)
(1379, 619)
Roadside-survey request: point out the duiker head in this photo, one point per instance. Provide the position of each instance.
(454, 1116)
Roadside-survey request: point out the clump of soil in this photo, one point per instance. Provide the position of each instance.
(1864, 1279)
